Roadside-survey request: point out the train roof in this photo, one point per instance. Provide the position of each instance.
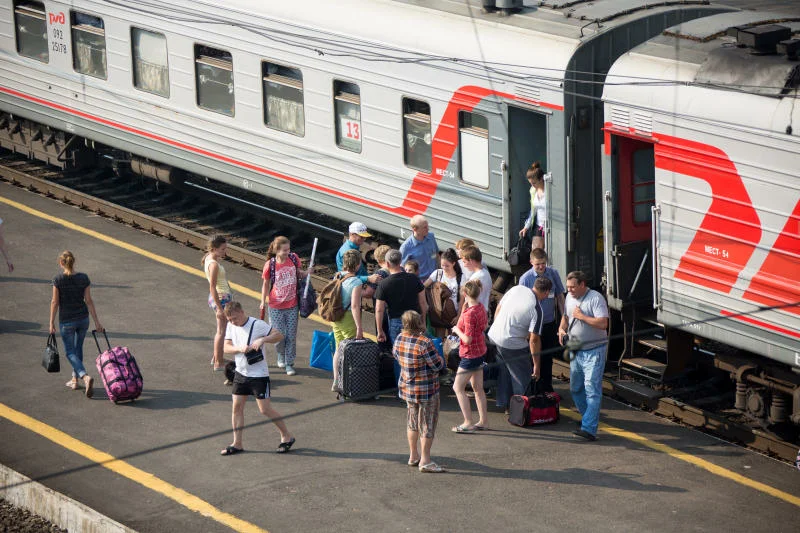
(702, 69)
(437, 30)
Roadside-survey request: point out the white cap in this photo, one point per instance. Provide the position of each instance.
(359, 229)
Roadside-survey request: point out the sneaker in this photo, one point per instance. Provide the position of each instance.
(584, 435)
(290, 371)
(281, 364)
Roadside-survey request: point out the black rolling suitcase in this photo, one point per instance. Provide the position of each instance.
(359, 369)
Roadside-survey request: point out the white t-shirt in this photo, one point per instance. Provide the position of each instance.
(238, 336)
(486, 285)
(452, 283)
(519, 315)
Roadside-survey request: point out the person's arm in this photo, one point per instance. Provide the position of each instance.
(462, 334)
(229, 348)
(535, 345)
(355, 308)
(560, 303)
(87, 297)
(273, 337)
(53, 309)
(423, 304)
(432, 357)
(5, 252)
(562, 328)
(265, 288)
(380, 308)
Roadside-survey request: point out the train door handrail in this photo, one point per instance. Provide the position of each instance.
(656, 215)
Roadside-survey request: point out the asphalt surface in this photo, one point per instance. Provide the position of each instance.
(347, 471)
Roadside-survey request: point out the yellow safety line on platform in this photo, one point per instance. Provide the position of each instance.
(644, 441)
(150, 255)
(692, 459)
(126, 470)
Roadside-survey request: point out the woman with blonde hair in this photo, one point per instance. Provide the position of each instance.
(279, 294)
(73, 301)
(219, 293)
(420, 364)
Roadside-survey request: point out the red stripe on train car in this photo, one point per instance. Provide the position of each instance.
(761, 324)
(423, 185)
(778, 280)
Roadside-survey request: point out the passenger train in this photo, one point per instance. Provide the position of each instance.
(674, 196)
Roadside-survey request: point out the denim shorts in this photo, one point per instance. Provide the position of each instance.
(223, 299)
(471, 365)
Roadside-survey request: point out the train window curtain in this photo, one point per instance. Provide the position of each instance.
(31, 28)
(150, 67)
(283, 98)
(89, 45)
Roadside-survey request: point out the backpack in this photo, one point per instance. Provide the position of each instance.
(441, 309)
(329, 300)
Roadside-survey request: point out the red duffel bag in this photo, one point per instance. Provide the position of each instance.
(534, 408)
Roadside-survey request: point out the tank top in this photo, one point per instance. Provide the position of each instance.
(222, 279)
(539, 206)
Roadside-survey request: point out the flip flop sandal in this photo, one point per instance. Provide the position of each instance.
(431, 468)
(413, 463)
(476, 427)
(231, 450)
(463, 429)
(72, 384)
(284, 447)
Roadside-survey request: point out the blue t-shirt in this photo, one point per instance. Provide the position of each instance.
(347, 290)
(423, 252)
(362, 273)
(549, 303)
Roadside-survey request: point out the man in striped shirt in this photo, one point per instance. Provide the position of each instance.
(516, 331)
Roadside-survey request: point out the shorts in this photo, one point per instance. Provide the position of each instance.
(223, 299)
(423, 416)
(245, 386)
(472, 364)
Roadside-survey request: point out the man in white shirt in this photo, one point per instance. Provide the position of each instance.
(245, 334)
(473, 262)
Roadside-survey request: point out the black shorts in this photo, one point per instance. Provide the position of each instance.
(244, 386)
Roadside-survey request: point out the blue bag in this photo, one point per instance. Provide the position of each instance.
(439, 346)
(322, 350)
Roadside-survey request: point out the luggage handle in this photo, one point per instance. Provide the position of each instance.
(94, 334)
(533, 387)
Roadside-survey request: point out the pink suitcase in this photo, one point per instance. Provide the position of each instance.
(118, 370)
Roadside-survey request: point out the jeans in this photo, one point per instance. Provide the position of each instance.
(586, 385)
(72, 334)
(395, 327)
(514, 373)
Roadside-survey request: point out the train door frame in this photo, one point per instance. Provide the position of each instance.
(628, 244)
(520, 155)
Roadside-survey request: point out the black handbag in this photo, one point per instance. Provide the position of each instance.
(520, 254)
(253, 356)
(50, 360)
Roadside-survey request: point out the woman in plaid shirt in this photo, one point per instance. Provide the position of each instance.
(470, 327)
(420, 364)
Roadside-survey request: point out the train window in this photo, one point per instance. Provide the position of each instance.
(283, 98)
(473, 137)
(150, 67)
(644, 185)
(417, 134)
(31, 26)
(214, 77)
(347, 103)
(88, 45)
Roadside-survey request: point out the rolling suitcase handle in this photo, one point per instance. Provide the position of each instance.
(99, 349)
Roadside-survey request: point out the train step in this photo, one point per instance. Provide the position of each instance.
(653, 343)
(644, 367)
(636, 393)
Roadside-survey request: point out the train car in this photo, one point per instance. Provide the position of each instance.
(373, 110)
(702, 218)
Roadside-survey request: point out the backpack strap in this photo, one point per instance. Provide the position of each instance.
(271, 272)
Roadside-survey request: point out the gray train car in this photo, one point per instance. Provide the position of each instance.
(373, 110)
(702, 195)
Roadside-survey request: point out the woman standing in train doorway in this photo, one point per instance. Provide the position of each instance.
(537, 219)
(219, 293)
(281, 274)
(73, 300)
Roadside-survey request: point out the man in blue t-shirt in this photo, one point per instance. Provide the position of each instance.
(357, 233)
(421, 246)
(552, 308)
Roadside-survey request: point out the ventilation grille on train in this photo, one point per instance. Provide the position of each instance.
(529, 93)
(620, 117)
(638, 121)
(642, 122)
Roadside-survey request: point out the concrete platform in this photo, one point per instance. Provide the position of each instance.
(347, 471)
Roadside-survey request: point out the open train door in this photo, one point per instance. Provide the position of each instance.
(629, 194)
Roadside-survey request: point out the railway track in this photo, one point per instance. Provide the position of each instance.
(189, 217)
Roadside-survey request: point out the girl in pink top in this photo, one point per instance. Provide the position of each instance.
(470, 328)
(281, 274)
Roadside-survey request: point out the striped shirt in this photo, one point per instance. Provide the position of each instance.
(420, 364)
